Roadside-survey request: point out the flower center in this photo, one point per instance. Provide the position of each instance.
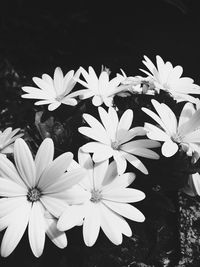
(96, 196)
(34, 194)
(115, 145)
(176, 138)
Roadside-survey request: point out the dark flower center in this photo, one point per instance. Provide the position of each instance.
(96, 196)
(34, 194)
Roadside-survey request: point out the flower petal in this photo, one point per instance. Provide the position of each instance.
(71, 217)
(91, 224)
(55, 170)
(124, 123)
(125, 210)
(100, 169)
(36, 229)
(9, 188)
(15, 229)
(57, 237)
(44, 157)
(24, 162)
(54, 205)
(169, 148)
(123, 195)
(136, 162)
(120, 161)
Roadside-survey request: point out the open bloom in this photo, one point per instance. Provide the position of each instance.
(112, 140)
(34, 194)
(7, 138)
(53, 92)
(101, 89)
(168, 78)
(185, 132)
(107, 202)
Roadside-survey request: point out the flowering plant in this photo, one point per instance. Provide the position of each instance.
(114, 140)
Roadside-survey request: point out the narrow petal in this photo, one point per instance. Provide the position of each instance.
(94, 123)
(54, 105)
(24, 162)
(110, 224)
(55, 170)
(9, 188)
(8, 170)
(91, 225)
(123, 195)
(124, 124)
(71, 217)
(100, 169)
(120, 161)
(44, 157)
(101, 151)
(125, 210)
(36, 229)
(86, 162)
(111, 174)
(94, 134)
(15, 229)
(57, 237)
(136, 162)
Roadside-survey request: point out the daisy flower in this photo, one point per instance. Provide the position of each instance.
(53, 92)
(168, 78)
(184, 133)
(112, 139)
(101, 89)
(107, 204)
(7, 138)
(33, 194)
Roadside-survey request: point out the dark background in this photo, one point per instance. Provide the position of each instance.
(37, 36)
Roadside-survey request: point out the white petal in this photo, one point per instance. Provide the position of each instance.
(100, 169)
(94, 123)
(111, 174)
(44, 156)
(57, 237)
(155, 133)
(24, 162)
(136, 162)
(54, 205)
(9, 188)
(101, 151)
(15, 229)
(125, 210)
(119, 181)
(8, 170)
(169, 148)
(55, 170)
(86, 162)
(54, 105)
(97, 100)
(94, 134)
(36, 229)
(120, 161)
(66, 181)
(71, 217)
(124, 123)
(110, 224)
(9, 204)
(123, 195)
(91, 225)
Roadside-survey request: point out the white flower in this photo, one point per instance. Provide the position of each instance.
(7, 138)
(34, 194)
(193, 187)
(185, 132)
(53, 92)
(107, 202)
(168, 78)
(112, 140)
(101, 89)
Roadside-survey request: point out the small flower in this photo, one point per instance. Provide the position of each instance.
(101, 89)
(34, 194)
(107, 202)
(7, 138)
(185, 132)
(168, 78)
(53, 92)
(112, 140)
